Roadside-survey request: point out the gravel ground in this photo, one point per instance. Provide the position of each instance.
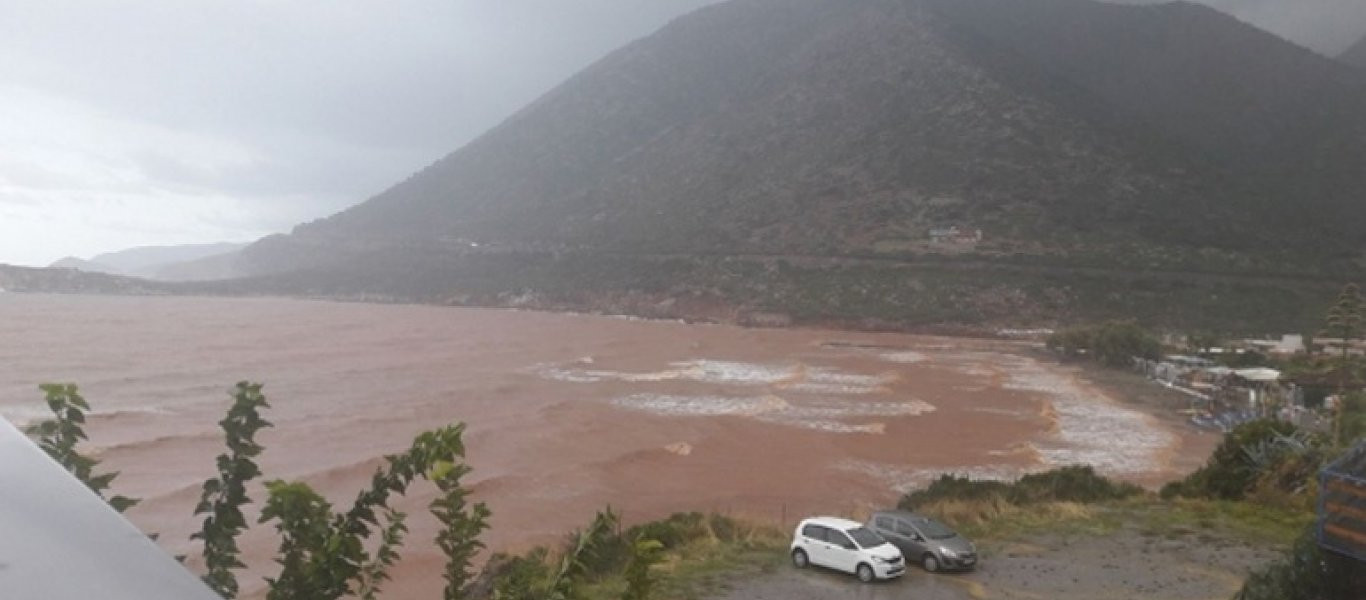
(1127, 564)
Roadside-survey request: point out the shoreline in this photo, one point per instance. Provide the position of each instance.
(675, 417)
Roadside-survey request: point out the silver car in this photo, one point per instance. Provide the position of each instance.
(924, 540)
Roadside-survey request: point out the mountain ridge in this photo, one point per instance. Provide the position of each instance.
(842, 129)
(1356, 54)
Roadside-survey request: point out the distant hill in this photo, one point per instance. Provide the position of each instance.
(1356, 55)
(88, 266)
(795, 156)
(150, 261)
(66, 280)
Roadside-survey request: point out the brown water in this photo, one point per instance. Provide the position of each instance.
(566, 413)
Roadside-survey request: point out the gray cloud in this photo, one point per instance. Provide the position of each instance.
(165, 121)
(162, 121)
(1326, 26)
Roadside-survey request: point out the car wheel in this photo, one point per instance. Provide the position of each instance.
(930, 563)
(799, 558)
(865, 573)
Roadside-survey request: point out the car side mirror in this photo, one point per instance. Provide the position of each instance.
(917, 537)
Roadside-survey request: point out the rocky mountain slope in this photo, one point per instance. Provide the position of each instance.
(794, 142)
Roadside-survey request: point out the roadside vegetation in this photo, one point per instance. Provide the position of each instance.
(328, 552)
(683, 556)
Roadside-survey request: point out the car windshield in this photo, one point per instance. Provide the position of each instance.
(935, 530)
(865, 537)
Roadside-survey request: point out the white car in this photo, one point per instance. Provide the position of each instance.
(847, 546)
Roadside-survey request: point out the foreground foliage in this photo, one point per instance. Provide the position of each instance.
(676, 554)
(323, 554)
(222, 498)
(59, 436)
(1307, 572)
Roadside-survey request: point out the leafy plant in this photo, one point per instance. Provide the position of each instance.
(1306, 572)
(59, 436)
(223, 497)
(645, 553)
(1247, 455)
(376, 571)
(589, 546)
(323, 554)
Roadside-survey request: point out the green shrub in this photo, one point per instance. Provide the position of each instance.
(1114, 343)
(953, 487)
(1307, 572)
(1077, 483)
(675, 531)
(1245, 455)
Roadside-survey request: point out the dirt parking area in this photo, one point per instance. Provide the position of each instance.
(1126, 564)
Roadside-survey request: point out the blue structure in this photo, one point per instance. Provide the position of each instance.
(1342, 504)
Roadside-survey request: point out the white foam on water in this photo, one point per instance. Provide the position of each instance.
(822, 380)
(822, 415)
(840, 409)
(830, 426)
(905, 357)
(1092, 429)
(566, 375)
(1004, 412)
(701, 406)
(816, 380)
(741, 373)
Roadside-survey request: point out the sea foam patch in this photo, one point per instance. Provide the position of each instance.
(701, 406)
(796, 377)
(1092, 429)
(905, 357)
(823, 415)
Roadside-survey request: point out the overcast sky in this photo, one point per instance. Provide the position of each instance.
(140, 122)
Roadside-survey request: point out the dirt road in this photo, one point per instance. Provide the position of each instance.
(1127, 564)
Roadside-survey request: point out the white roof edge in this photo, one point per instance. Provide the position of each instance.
(60, 540)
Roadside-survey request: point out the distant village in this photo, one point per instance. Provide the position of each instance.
(1223, 397)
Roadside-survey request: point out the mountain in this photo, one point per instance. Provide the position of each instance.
(151, 261)
(67, 280)
(794, 156)
(1356, 55)
(88, 266)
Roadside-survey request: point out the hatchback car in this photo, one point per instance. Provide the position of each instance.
(847, 546)
(924, 540)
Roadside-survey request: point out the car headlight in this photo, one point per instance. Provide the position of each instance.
(948, 553)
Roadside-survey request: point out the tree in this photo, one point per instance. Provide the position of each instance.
(1344, 323)
(1114, 343)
